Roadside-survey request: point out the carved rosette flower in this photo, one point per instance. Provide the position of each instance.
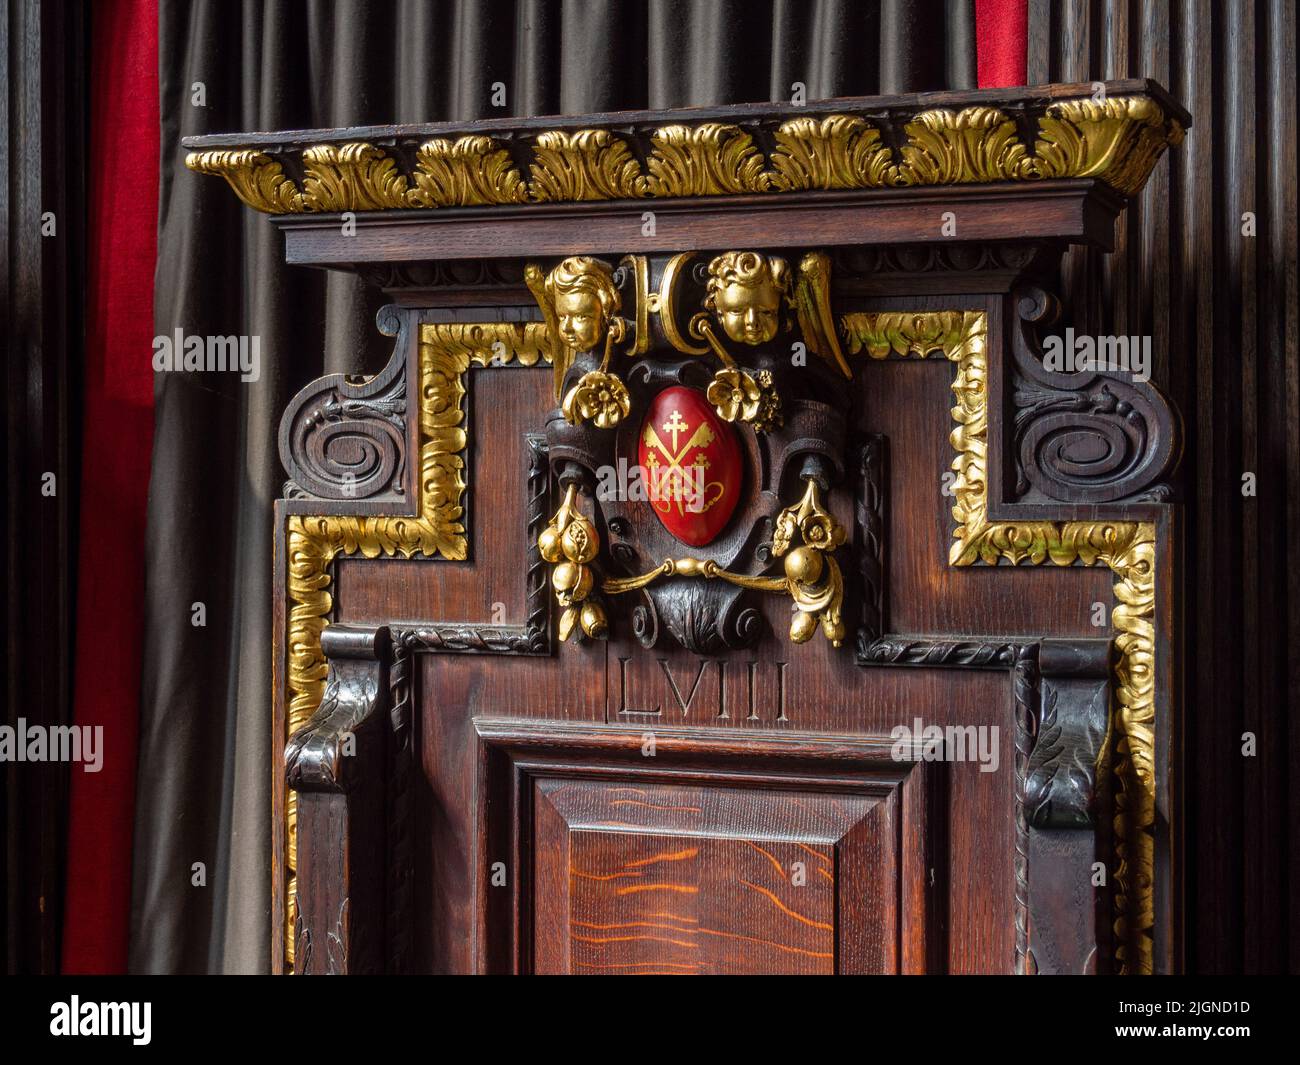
(737, 396)
(734, 394)
(597, 397)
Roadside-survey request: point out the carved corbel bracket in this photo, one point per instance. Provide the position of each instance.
(337, 764)
(320, 756)
(346, 439)
(1085, 426)
(1062, 776)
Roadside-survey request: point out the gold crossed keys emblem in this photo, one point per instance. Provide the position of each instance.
(673, 480)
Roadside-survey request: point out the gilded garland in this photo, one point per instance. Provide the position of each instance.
(1116, 140)
(1128, 548)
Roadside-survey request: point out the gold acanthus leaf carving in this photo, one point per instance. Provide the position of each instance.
(1127, 548)
(902, 333)
(949, 147)
(1117, 140)
(589, 164)
(707, 160)
(491, 343)
(836, 152)
(464, 172)
(351, 177)
(257, 179)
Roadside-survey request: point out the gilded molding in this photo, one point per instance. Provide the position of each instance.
(1128, 548)
(467, 171)
(351, 177)
(257, 179)
(836, 152)
(708, 160)
(590, 164)
(491, 343)
(1116, 140)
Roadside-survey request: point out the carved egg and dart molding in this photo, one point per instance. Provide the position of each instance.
(718, 379)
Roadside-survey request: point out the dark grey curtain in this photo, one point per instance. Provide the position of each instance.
(206, 750)
(1220, 308)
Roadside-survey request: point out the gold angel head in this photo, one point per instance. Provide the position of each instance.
(582, 291)
(745, 292)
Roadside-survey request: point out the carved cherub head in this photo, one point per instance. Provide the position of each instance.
(585, 299)
(745, 293)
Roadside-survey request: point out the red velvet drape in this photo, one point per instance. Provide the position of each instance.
(1001, 42)
(122, 216)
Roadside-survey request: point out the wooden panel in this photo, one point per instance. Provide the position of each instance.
(700, 879)
(503, 405)
(709, 858)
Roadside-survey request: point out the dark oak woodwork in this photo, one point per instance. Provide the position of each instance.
(337, 765)
(1075, 210)
(695, 792)
(708, 856)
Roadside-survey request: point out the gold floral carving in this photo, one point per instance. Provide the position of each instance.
(257, 179)
(707, 160)
(351, 177)
(437, 530)
(590, 164)
(490, 343)
(836, 152)
(948, 147)
(1116, 140)
(1128, 548)
(464, 172)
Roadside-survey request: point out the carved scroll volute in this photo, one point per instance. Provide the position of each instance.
(345, 439)
(1087, 428)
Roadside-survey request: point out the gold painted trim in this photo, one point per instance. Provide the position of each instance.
(314, 542)
(257, 179)
(1117, 140)
(591, 164)
(706, 160)
(465, 172)
(1128, 548)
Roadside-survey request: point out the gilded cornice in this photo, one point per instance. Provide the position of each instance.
(1126, 547)
(1116, 140)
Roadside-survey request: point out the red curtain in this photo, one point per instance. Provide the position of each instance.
(122, 215)
(1001, 42)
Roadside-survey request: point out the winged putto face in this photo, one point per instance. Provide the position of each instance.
(745, 292)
